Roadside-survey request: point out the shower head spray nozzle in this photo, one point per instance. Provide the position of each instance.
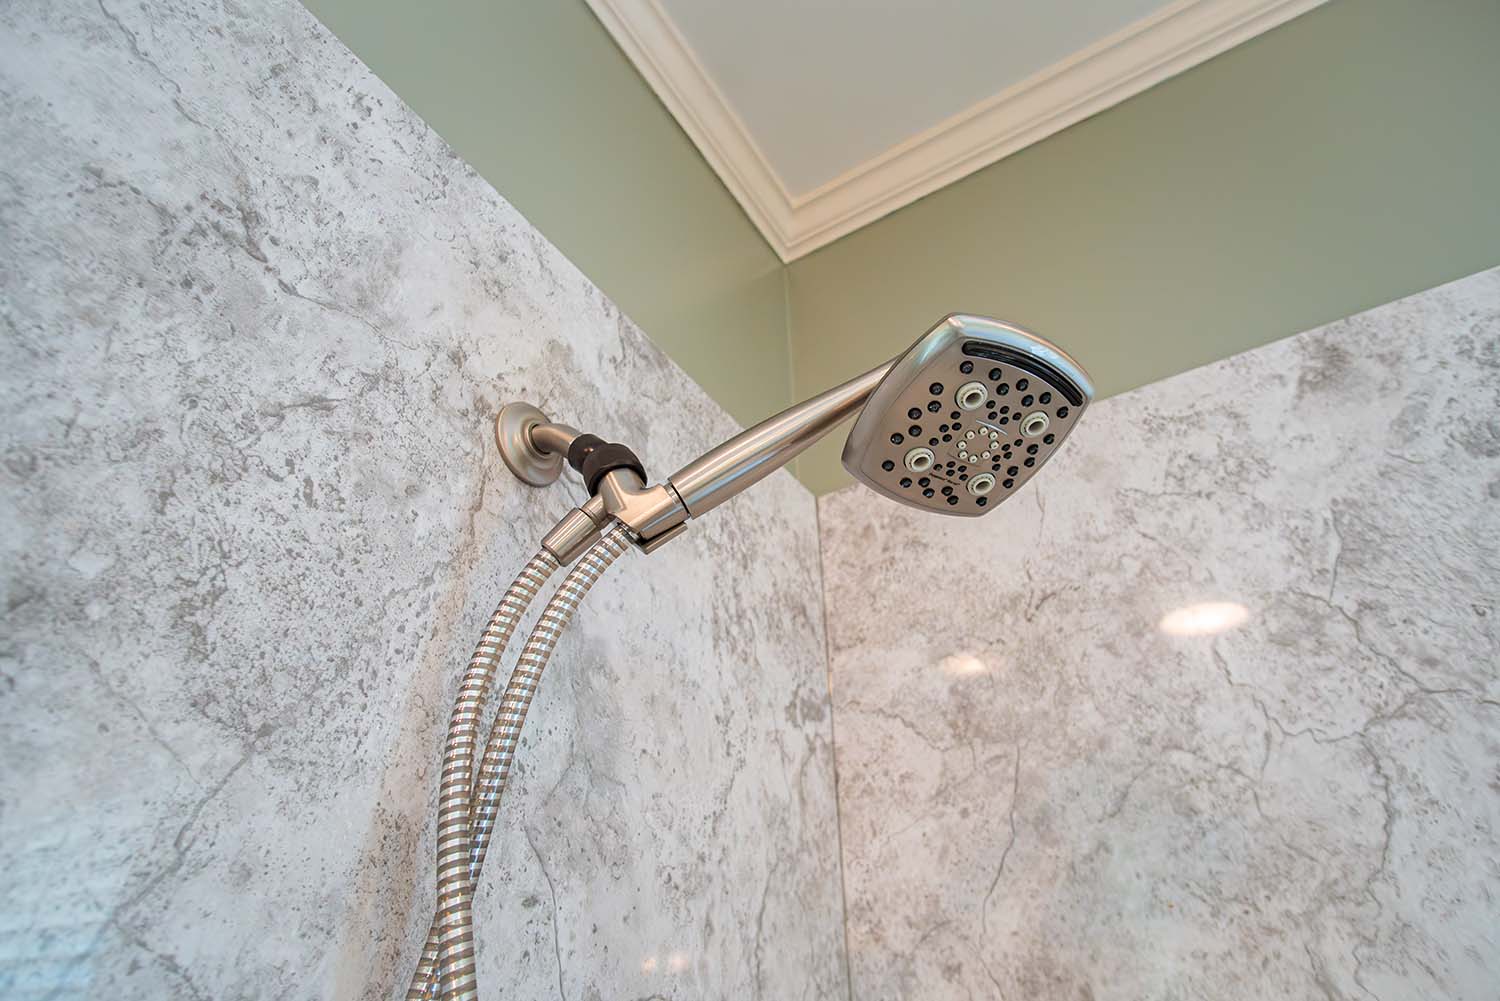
(968, 414)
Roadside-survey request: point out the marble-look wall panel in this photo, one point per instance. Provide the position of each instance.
(1045, 795)
(256, 321)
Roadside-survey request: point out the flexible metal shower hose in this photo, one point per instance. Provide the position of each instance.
(456, 782)
(448, 955)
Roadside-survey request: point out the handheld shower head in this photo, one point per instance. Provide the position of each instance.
(953, 425)
(968, 414)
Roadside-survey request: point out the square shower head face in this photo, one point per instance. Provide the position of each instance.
(966, 416)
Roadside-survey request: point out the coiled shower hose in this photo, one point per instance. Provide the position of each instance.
(448, 954)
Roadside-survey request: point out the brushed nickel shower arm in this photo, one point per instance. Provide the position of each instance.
(553, 439)
(534, 448)
(755, 453)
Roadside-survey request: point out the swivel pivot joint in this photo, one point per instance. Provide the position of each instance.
(535, 448)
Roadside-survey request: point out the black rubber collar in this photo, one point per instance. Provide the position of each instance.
(595, 458)
(606, 459)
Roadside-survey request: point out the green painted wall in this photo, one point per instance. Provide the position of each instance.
(1338, 162)
(535, 95)
(1343, 160)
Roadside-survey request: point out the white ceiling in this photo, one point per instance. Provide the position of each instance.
(821, 116)
(825, 85)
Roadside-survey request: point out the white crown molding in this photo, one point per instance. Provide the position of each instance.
(649, 38)
(1176, 38)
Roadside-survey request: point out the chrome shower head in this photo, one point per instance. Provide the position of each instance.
(968, 414)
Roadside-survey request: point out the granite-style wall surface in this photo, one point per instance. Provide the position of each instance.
(256, 321)
(1045, 796)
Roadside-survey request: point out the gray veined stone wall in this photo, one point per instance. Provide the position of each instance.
(256, 318)
(255, 321)
(1047, 794)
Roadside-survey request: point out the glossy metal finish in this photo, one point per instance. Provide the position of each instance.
(654, 514)
(448, 942)
(500, 748)
(933, 414)
(961, 450)
(551, 438)
(578, 529)
(651, 512)
(966, 416)
(754, 454)
(451, 942)
(533, 447)
(451, 934)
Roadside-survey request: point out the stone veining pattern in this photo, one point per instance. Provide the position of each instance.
(1044, 796)
(256, 319)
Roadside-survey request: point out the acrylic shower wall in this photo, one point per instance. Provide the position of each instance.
(1049, 792)
(257, 319)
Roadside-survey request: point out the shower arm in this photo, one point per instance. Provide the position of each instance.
(534, 448)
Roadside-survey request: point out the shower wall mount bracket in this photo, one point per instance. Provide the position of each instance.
(535, 448)
(513, 428)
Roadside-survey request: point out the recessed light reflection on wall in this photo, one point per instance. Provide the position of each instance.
(1204, 619)
(677, 962)
(962, 665)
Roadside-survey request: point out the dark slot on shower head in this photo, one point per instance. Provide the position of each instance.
(1030, 363)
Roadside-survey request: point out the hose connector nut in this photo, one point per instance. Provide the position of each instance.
(579, 529)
